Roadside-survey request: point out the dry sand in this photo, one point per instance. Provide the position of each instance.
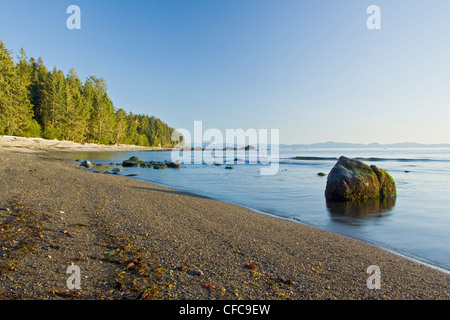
(14, 143)
(134, 240)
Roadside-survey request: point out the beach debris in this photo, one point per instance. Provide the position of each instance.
(67, 233)
(286, 281)
(251, 266)
(67, 294)
(87, 164)
(353, 180)
(209, 287)
(198, 272)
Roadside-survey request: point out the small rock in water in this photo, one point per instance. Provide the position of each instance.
(321, 174)
(87, 164)
(173, 164)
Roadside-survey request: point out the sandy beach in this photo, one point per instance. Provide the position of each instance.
(14, 143)
(134, 240)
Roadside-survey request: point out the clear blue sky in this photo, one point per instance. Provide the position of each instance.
(309, 68)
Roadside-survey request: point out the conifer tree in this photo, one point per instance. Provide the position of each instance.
(15, 108)
(35, 102)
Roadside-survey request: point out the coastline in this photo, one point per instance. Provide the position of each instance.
(241, 253)
(410, 257)
(15, 143)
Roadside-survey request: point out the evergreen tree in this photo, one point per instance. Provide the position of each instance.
(39, 76)
(35, 102)
(15, 108)
(102, 114)
(53, 105)
(77, 110)
(120, 126)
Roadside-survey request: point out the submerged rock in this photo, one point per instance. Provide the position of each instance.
(159, 166)
(353, 180)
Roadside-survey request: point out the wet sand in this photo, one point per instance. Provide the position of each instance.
(134, 240)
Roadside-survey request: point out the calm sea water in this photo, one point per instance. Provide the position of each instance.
(416, 224)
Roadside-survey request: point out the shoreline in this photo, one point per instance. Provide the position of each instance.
(240, 252)
(410, 257)
(23, 144)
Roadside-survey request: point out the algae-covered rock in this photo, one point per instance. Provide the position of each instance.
(159, 166)
(353, 180)
(174, 165)
(134, 162)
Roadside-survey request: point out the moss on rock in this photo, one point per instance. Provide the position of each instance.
(353, 180)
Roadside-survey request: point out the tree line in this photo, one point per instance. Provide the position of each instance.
(37, 102)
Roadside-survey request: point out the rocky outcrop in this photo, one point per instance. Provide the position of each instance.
(353, 180)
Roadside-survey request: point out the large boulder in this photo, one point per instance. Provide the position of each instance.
(353, 180)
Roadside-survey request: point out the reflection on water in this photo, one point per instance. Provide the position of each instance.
(359, 213)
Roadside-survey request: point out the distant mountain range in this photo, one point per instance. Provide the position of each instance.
(331, 144)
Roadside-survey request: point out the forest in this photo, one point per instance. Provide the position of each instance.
(43, 103)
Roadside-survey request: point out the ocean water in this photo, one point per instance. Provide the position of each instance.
(416, 224)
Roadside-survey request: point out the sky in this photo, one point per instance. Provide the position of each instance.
(311, 69)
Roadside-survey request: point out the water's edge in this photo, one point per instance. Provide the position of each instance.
(404, 255)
